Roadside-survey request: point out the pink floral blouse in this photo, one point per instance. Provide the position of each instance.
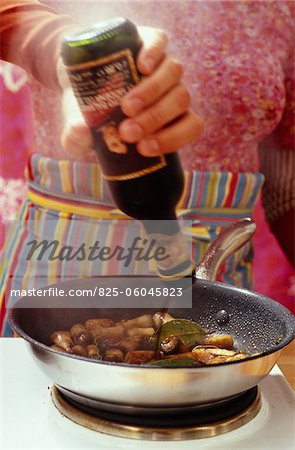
(238, 64)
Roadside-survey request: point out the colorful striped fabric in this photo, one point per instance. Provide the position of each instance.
(66, 201)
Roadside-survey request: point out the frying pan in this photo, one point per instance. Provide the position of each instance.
(257, 323)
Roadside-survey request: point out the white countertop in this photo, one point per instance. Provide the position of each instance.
(29, 420)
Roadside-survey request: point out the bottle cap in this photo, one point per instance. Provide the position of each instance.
(99, 40)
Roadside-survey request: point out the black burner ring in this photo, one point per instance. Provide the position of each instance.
(207, 415)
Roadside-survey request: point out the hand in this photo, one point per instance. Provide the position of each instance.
(159, 119)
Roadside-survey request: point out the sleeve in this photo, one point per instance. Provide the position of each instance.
(30, 35)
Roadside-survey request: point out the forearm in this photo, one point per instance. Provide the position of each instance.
(30, 36)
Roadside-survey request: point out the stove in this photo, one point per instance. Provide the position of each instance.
(207, 420)
(30, 418)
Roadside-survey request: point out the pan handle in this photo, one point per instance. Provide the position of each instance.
(226, 243)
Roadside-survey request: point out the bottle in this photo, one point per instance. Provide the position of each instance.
(101, 64)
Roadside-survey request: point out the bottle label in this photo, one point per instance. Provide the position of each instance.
(99, 87)
(177, 262)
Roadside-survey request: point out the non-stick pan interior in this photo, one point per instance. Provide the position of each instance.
(257, 323)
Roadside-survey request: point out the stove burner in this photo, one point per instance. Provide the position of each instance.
(211, 419)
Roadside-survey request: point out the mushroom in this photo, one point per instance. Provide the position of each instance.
(77, 329)
(129, 344)
(58, 348)
(109, 334)
(62, 339)
(216, 355)
(79, 350)
(160, 318)
(133, 332)
(114, 354)
(144, 321)
(222, 341)
(80, 335)
(139, 356)
(181, 356)
(169, 345)
(92, 352)
(93, 323)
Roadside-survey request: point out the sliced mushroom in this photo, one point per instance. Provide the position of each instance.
(237, 357)
(221, 352)
(202, 355)
(221, 341)
(216, 355)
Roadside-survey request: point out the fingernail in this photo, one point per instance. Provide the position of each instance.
(132, 131)
(149, 147)
(135, 104)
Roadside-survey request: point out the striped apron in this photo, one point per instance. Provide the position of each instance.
(72, 197)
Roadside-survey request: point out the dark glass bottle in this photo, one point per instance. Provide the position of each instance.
(101, 63)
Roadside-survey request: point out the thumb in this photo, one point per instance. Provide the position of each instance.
(76, 137)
